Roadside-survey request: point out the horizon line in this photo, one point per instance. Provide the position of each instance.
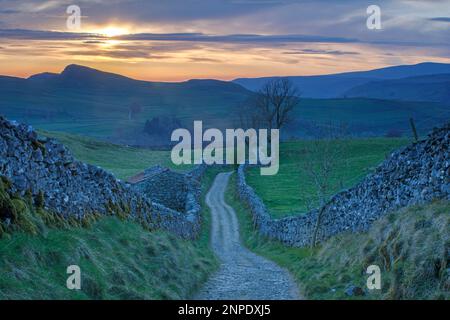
(217, 79)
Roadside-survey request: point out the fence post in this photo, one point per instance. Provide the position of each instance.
(413, 128)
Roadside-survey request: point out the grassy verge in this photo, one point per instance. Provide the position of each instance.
(118, 258)
(122, 161)
(410, 246)
(292, 190)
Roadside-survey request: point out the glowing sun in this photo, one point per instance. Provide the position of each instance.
(113, 31)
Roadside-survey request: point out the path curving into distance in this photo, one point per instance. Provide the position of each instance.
(243, 274)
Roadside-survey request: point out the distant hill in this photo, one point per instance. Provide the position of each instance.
(422, 88)
(337, 85)
(90, 102)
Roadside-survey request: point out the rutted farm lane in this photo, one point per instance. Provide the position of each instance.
(243, 274)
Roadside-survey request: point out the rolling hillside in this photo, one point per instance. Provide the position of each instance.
(422, 88)
(90, 102)
(364, 117)
(338, 84)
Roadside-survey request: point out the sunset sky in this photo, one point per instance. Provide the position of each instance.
(174, 40)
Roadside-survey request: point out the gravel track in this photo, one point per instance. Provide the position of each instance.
(243, 274)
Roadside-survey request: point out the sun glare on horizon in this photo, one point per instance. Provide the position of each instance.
(113, 31)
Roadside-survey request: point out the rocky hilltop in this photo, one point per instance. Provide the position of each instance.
(47, 170)
(416, 174)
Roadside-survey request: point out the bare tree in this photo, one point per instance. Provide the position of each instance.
(323, 156)
(272, 105)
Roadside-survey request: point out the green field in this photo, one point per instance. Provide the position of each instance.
(103, 117)
(288, 192)
(104, 114)
(292, 190)
(122, 161)
(371, 117)
(408, 245)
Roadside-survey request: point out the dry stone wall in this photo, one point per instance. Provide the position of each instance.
(177, 191)
(71, 188)
(415, 174)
